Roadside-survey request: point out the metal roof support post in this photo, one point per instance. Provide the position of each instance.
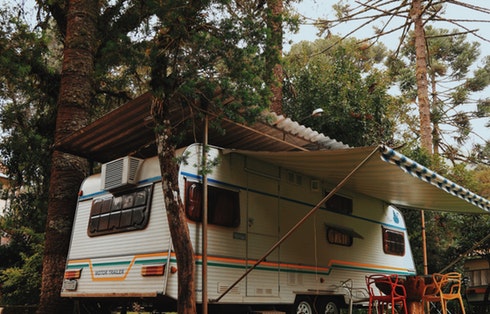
(299, 223)
(205, 219)
(424, 243)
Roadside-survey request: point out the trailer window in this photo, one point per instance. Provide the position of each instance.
(339, 204)
(339, 237)
(223, 205)
(120, 213)
(393, 242)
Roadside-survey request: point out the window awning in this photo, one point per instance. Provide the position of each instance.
(345, 230)
(388, 175)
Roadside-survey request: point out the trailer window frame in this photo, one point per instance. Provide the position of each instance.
(339, 204)
(223, 204)
(339, 237)
(393, 241)
(121, 212)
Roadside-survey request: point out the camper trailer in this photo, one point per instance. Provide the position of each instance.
(295, 219)
(121, 246)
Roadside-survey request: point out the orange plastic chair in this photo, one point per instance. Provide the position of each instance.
(384, 290)
(444, 288)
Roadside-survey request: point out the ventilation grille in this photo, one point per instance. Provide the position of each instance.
(263, 291)
(120, 173)
(222, 287)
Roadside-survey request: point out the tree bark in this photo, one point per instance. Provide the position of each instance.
(179, 231)
(421, 75)
(274, 67)
(67, 172)
(423, 97)
(436, 131)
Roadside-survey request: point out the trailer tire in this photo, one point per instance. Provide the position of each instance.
(303, 305)
(328, 306)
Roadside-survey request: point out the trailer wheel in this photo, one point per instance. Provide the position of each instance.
(303, 305)
(328, 306)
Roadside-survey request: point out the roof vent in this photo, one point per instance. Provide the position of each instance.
(120, 173)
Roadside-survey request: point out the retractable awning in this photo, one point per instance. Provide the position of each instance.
(391, 177)
(388, 175)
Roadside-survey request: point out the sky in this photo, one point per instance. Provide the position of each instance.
(310, 10)
(313, 9)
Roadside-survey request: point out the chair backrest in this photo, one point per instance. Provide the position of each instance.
(386, 284)
(378, 284)
(452, 283)
(431, 288)
(439, 281)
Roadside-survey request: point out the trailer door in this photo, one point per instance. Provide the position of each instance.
(263, 231)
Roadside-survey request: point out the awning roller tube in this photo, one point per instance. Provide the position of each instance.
(411, 167)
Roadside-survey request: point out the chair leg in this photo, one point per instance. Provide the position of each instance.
(405, 309)
(462, 306)
(444, 307)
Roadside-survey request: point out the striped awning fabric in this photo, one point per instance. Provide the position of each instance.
(425, 174)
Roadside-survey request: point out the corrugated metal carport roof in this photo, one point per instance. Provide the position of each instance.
(128, 130)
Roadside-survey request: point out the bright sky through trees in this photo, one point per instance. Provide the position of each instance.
(311, 10)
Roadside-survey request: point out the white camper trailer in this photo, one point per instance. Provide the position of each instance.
(121, 245)
(325, 212)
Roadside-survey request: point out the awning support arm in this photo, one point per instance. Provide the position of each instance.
(298, 224)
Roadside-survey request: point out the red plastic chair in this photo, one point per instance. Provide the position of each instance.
(385, 290)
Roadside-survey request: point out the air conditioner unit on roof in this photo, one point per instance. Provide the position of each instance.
(120, 173)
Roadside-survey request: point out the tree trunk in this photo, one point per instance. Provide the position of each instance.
(423, 97)
(67, 172)
(421, 75)
(274, 67)
(179, 231)
(436, 131)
